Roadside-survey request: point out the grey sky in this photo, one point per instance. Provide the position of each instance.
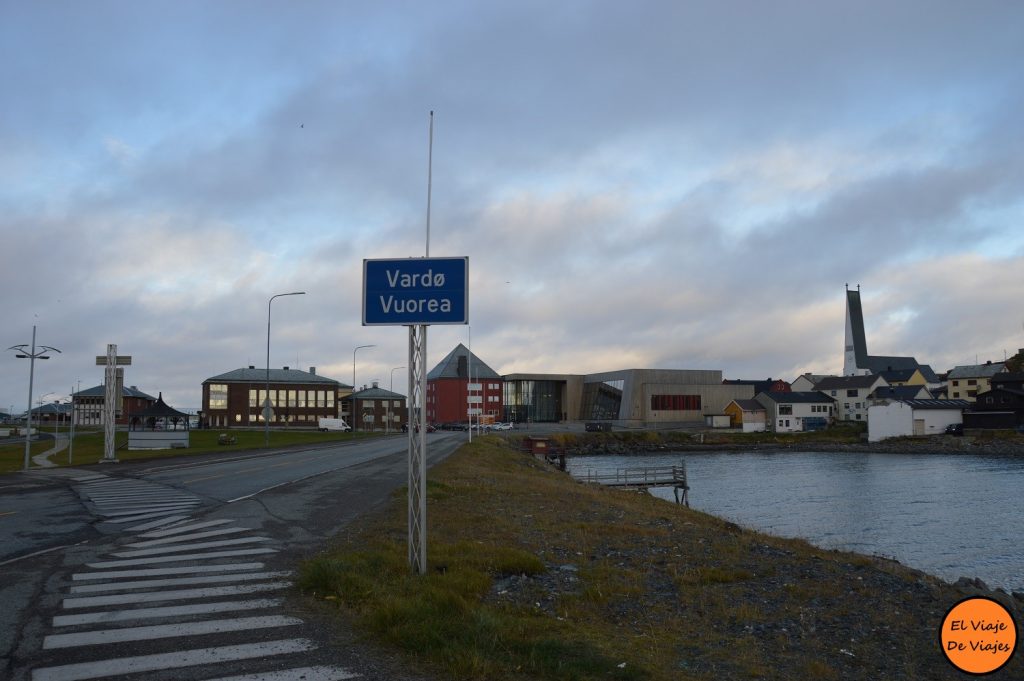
(653, 184)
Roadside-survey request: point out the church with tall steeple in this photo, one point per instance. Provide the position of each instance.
(857, 361)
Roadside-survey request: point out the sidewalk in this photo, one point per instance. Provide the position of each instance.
(43, 460)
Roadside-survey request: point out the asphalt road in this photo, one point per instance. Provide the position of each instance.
(181, 569)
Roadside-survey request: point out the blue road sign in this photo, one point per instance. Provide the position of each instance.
(415, 291)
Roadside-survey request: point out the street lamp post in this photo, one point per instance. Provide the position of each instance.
(32, 357)
(266, 407)
(355, 421)
(388, 429)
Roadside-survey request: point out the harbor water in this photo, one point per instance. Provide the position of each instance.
(949, 515)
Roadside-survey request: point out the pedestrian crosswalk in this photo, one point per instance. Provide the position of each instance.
(178, 597)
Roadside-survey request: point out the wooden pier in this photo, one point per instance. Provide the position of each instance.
(651, 476)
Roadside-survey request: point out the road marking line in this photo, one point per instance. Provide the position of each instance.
(7, 513)
(180, 581)
(144, 516)
(209, 477)
(149, 633)
(322, 673)
(177, 559)
(158, 572)
(186, 528)
(143, 499)
(176, 595)
(175, 548)
(167, 611)
(188, 537)
(154, 508)
(176, 660)
(162, 522)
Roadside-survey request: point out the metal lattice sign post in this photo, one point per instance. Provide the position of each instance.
(416, 292)
(111, 398)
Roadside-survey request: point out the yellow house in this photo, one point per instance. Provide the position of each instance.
(898, 377)
(748, 414)
(965, 382)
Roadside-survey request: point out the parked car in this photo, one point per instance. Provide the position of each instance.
(955, 429)
(597, 427)
(501, 426)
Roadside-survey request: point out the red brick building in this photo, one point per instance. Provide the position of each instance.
(378, 409)
(88, 404)
(297, 398)
(450, 393)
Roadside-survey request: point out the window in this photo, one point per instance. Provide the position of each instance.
(675, 402)
(785, 409)
(956, 395)
(956, 383)
(851, 393)
(252, 399)
(972, 382)
(833, 393)
(858, 417)
(218, 396)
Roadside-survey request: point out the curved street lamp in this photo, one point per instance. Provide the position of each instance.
(32, 356)
(355, 423)
(266, 405)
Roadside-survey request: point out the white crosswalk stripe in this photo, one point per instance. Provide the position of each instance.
(176, 580)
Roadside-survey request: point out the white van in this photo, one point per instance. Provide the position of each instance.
(324, 425)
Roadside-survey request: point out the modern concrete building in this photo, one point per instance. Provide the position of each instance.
(542, 398)
(297, 398)
(657, 397)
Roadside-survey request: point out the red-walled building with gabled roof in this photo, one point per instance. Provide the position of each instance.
(448, 389)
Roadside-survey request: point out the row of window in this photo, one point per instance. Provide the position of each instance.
(675, 402)
(301, 399)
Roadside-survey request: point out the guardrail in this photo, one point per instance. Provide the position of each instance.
(653, 476)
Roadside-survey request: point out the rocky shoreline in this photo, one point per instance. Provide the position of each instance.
(929, 445)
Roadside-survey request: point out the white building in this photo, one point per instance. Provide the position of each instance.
(795, 412)
(851, 394)
(903, 418)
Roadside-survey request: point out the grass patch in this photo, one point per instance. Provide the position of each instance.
(88, 448)
(535, 576)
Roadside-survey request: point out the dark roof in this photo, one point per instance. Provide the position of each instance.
(253, 375)
(843, 382)
(797, 397)
(750, 405)
(937, 404)
(929, 373)
(898, 392)
(159, 410)
(126, 391)
(376, 394)
(898, 374)
(977, 370)
(879, 363)
(452, 367)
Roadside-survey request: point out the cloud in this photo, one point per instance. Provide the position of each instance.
(665, 184)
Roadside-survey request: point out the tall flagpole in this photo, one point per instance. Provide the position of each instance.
(417, 514)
